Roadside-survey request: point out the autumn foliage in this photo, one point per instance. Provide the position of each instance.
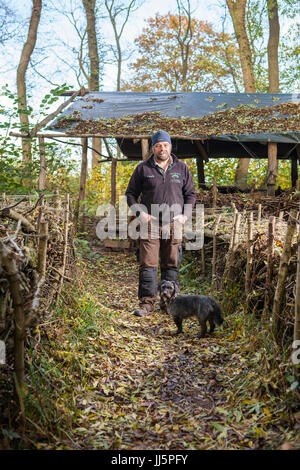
(178, 53)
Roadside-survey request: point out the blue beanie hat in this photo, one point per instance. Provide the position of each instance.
(160, 136)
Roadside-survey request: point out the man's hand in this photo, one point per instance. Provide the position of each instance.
(145, 218)
(181, 218)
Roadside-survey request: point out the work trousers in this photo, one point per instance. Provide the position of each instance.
(162, 246)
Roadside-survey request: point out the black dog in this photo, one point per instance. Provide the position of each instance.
(184, 306)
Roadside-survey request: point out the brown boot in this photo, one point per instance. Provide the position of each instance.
(146, 307)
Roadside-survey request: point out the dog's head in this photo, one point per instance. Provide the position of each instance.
(167, 289)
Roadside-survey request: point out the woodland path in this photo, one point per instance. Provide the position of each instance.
(146, 389)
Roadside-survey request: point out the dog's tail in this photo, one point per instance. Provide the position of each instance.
(217, 314)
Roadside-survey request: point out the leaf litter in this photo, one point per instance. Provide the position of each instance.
(121, 382)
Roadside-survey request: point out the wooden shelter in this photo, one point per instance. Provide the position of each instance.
(201, 125)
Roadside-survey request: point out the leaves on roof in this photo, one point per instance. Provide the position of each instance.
(244, 119)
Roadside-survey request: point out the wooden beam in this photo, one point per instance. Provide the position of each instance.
(272, 168)
(103, 136)
(51, 116)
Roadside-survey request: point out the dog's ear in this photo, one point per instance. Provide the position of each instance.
(176, 287)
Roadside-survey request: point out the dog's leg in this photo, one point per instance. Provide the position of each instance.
(212, 325)
(203, 329)
(178, 321)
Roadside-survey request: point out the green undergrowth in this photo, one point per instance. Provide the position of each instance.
(99, 378)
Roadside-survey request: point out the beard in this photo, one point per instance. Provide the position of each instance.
(163, 156)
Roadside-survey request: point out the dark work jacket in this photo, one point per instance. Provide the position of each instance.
(174, 186)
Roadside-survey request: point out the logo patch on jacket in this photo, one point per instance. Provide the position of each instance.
(149, 176)
(175, 177)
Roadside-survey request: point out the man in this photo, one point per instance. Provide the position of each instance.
(167, 198)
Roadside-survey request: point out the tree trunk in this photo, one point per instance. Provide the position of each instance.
(237, 11)
(83, 174)
(21, 75)
(274, 29)
(241, 172)
(89, 6)
(93, 80)
(272, 168)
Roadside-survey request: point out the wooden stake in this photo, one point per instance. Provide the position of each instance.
(214, 256)
(232, 248)
(65, 242)
(271, 231)
(202, 260)
(56, 199)
(259, 213)
(249, 252)
(215, 193)
(42, 249)
(282, 274)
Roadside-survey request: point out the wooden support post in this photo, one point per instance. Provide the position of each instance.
(249, 253)
(200, 172)
(272, 168)
(81, 195)
(42, 175)
(202, 151)
(113, 182)
(145, 149)
(282, 274)
(294, 170)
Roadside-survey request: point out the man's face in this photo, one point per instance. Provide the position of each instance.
(162, 150)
